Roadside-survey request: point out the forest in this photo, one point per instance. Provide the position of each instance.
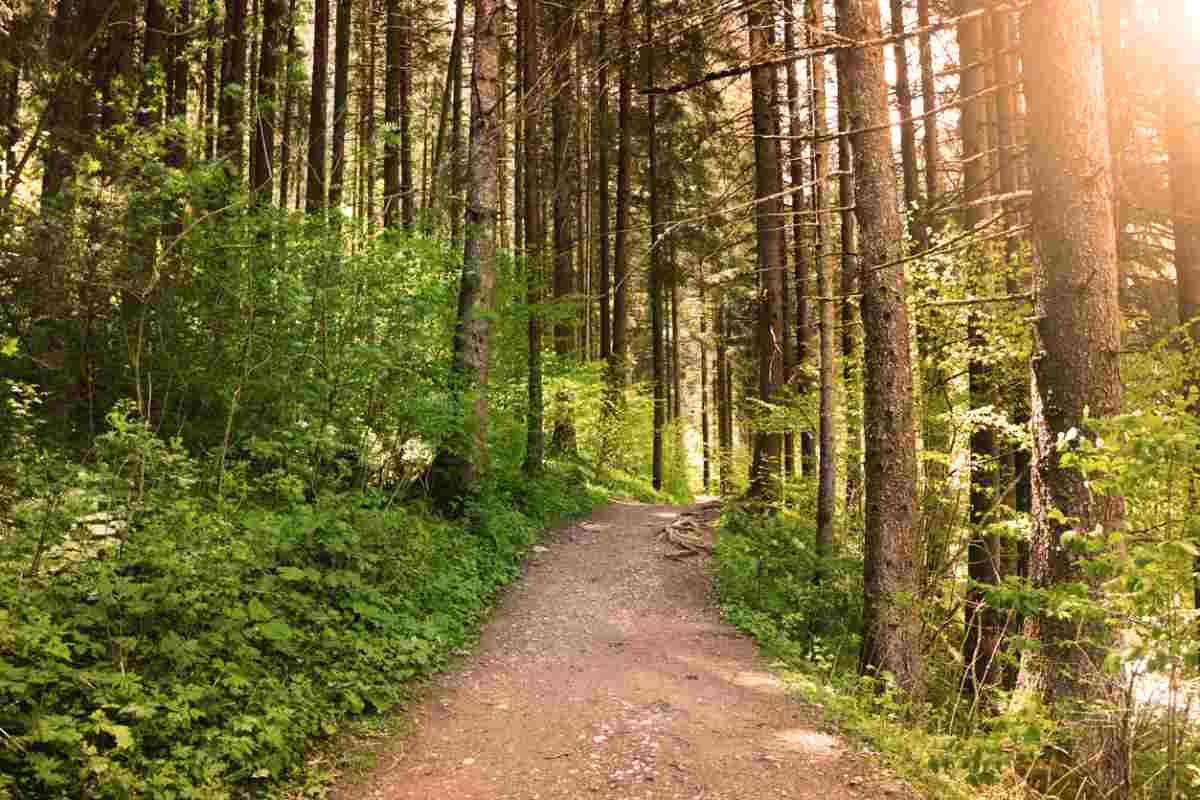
(314, 315)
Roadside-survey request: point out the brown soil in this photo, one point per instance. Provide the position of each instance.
(606, 672)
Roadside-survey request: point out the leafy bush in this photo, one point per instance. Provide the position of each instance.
(202, 645)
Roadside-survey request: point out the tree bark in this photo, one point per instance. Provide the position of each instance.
(1076, 346)
(262, 149)
(315, 191)
(601, 147)
(478, 284)
(534, 234)
(1183, 173)
(891, 570)
(767, 213)
(621, 236)
(849, 309)
(655, 276)
(908, 138)
(394, 54)
(233, 90)
(822, 268)
(341, 107)
(929, 101)
(289, 103)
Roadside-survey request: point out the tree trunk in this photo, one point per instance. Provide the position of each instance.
(341, 107)
(849, 310)
(724, 403)
(908, 138)
(393, 194)
(408, 198)
(891, 570)
(477, 289)
(262, 150)
(767, 213)
(211, 75)
(314, 194)
(1183, 173)
(655, 276)
(564, 113)
(802, 326)
(815, 15)
(621, 238)
(233, 83)
(822, 268)
(929, 101)
(289, 103)
(1076, 347)
(601, 147)
(705, 444)
(534, 233)
(985, 625)
(454, 195)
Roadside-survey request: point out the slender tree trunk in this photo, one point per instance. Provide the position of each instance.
(262, 150)
(408, 198)
(796, 130)
(563, 121)
(815, 16)
(908, 138)
(849, 310)
(769, 444)
(212, 71)
(565, 116)
(822, 268)
(534, 233)
(1116, 99)
(289, 103)
(503, 222)
(930, 124)
(456, 115)
(341, 107)
(985, 625)
(1182, 122)
(445, 117)
(724, 402)
(1076, 350)
(621, 237)
(705, 443)
(315, 194)
(655, 276)
(233, 81)
(891, 570)
(393, 190)
(601, 147)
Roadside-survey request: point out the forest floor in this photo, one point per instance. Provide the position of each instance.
(606, 672)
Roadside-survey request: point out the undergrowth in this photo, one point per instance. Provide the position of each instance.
(200, 651)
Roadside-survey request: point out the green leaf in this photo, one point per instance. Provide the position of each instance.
(276, 630)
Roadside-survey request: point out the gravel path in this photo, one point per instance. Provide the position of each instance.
(606, 673)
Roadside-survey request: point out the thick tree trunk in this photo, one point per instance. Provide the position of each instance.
(314, 194)
(892, 629)
(767, 213)
(476, 292)
(1076, 348)
(534, 233)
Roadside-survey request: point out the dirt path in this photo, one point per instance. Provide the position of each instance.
(607, 673)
